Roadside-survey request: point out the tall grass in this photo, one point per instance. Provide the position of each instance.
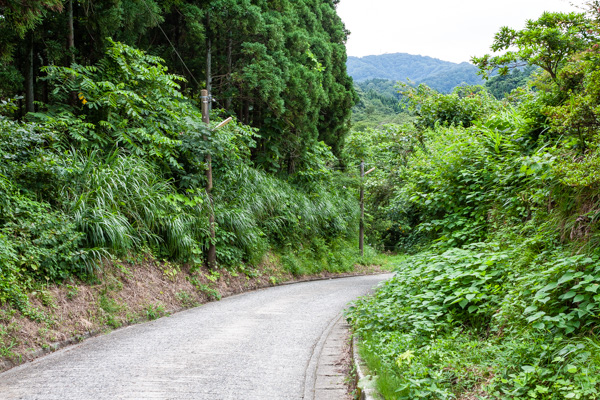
(260, 209)
(123, 203)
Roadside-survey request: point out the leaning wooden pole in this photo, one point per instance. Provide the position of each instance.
(211, 257)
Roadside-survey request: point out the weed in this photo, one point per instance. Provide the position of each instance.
(72, 292)
(154, 311)
(46, 298)
(186, 299)
(213, 276)
(170, 270)
(110, 310)
(211, 293)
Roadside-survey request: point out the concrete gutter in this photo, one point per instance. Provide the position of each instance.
(365, 381)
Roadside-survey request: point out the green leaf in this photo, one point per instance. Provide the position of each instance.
(530, 309)
(535, 316)
(571, 369)
(528, 369)
(592, 288)
(565, 278)
(568, 295)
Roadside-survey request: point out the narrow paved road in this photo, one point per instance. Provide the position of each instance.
(259, 345)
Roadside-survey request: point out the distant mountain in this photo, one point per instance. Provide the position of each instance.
(440, 75)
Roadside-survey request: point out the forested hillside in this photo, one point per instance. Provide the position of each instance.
(379, 102)
(495, 201)
(106, 162)
(437, 74)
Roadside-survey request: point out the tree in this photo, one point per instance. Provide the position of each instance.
(547, 43)
(17, 17)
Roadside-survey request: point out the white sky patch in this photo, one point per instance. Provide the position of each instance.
(450, 30)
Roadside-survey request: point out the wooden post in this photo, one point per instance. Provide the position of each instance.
(211, 257)
(361, 237)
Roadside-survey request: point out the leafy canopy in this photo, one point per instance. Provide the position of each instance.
(546, 43)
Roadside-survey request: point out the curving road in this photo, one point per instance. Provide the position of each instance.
(259, 345)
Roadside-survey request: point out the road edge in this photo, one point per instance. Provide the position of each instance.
(365, 381)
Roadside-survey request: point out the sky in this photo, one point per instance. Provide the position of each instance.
(451, 30)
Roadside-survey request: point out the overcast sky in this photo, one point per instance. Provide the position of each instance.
(451, 30)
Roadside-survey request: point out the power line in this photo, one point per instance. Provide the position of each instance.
(172, 46)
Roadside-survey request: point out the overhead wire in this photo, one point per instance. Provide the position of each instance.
(171, 43)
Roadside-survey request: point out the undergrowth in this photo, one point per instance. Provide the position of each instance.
(497, 201)
(481, 320)
(123, 174)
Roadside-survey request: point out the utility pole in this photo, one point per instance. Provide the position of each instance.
(211, 258)
(361, 237)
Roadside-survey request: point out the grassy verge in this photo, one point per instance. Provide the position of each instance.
(485, 323)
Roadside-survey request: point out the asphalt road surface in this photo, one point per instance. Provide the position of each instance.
(259, 345)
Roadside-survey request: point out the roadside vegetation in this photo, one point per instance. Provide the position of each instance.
(497, 203)
(104, 157)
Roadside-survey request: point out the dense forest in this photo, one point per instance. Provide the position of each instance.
(382, 102)
(105, 156)
(494, 200)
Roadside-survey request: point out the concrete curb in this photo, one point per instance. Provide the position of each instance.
(365, 382)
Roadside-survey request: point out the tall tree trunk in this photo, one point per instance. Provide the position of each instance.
(71, 35)
(71, 44)
(229, 69)
(208, 61)
(30, 86)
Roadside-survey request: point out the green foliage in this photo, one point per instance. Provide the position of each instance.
(320, 255)
(30, 157)
(122, 171)
(435, 293)
(471, 321)
(546, 42)
(154, 311)
(128, 101)
(124, 204)
(460, 108)
(504, 198)
(379, 104)
(561, 294)
(18, 19)
(502, 85)
(256, 209)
